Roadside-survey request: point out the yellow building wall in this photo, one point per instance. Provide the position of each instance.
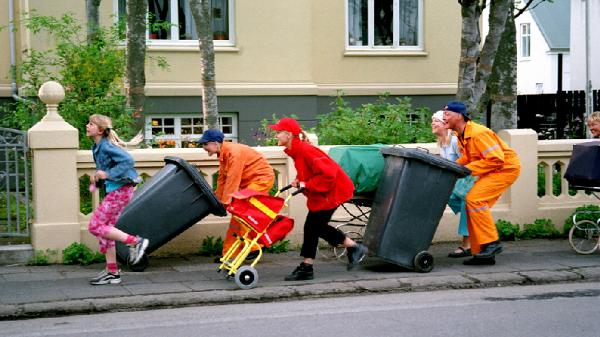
(4, 51)
(435, 66)
(289, 47)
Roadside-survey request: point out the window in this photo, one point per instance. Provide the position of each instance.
(171, 21)
(384, 24)
(525, 40)
(184, 130)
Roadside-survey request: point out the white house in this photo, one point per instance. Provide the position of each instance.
(543, 52)
(578, 43)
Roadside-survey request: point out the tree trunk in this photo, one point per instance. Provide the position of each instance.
(469, 51)
(502, 86)
(136, 56)
(476, 65)
(93, 19)
(202, 17)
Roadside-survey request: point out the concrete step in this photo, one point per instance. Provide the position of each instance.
(15, 254)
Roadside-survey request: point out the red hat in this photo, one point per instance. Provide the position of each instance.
(287, 124)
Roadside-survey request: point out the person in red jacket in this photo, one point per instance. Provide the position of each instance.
(326, 186)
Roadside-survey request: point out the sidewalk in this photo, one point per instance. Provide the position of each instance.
(36, 291)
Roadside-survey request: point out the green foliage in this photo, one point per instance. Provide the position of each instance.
(380, 122)
(279, 247)
(90, 73)
(586, 212)
(78, 253)
(539, 229)
(265, 136)
(42, 258)
(211, 246)
(507, 230)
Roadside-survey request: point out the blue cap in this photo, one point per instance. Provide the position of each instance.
(212, 135)
(457, 106)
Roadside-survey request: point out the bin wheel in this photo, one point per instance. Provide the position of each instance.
(140, 266)
(423, 262)
(246, 277)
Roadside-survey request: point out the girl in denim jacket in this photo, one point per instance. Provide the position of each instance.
(114, 167)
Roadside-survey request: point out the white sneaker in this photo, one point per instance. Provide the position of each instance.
(136, 252)
(106, 277)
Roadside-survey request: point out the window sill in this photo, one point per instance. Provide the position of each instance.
(190, 48)
(369, 53)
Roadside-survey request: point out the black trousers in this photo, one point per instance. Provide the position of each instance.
(317, 226)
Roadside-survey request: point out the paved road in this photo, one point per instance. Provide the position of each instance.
(548, 311)
(191, 281)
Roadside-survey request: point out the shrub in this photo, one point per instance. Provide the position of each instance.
(539, 229)
(78, 253)
(380, 122)
(211, 246)
(279, 247)
(507, 230)
(42, 258)
(583, 216)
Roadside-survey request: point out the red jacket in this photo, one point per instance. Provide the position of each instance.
(327, 185)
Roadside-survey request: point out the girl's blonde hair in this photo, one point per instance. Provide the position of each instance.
(304, 137)
(444, 140)
(594, 117)
(105, 124)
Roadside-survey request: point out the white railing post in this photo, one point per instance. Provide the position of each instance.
(54, 145)
(522, 195)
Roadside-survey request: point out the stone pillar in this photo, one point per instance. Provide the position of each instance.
(522, 195)
(54, 144)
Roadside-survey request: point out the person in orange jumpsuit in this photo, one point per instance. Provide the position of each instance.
(240, 167)
(496, 165)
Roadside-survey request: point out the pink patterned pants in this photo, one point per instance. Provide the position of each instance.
(106, 215)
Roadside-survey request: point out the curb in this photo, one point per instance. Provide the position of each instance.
(294, 292)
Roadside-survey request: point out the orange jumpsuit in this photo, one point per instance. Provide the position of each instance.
(497, 166)
(240, 167)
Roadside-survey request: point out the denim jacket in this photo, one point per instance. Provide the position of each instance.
(116, 162)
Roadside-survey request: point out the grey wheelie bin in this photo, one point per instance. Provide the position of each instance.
(173, 200)
(408, 205)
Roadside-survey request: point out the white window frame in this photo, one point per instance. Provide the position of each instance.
(174, 41)
(177, 136)
(395, 27)
(525, 37)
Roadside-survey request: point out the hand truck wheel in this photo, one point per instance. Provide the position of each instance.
(584, 236)
(246, 277)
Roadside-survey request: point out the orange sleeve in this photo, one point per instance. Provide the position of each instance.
(490, 153)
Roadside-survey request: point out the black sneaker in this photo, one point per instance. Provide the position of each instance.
(355, 255)
(136, 252)
(490, 250)
(106, 277)
(302, 272)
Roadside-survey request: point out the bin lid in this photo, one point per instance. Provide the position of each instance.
(362, 163)
(217, 207)
(426, 157)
